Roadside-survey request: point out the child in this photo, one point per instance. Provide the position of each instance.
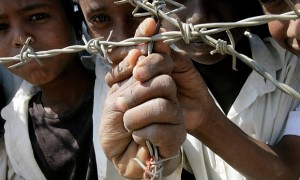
(287, 34)
(242, 139)
(48, 129)
(102, 17)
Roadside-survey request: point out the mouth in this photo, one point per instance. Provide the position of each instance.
(29, 62)
(199, 40)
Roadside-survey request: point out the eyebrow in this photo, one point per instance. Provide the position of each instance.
(95, 7)
(29, 7)
(34, 6)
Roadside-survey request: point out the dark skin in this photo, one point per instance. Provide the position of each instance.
(206, 122)
(103, 16)
(63, 79)
(286, 33)
(203, 119)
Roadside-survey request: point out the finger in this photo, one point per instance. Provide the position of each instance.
(167, 138)
(160, 86)
(115, 87)
(146, 28)
(143, 68)
(152, 65)
(160, 46)
(123, 70)
(156, 110)
(112, 129)
(117, 54)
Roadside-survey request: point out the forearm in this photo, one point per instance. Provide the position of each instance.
(251, 157)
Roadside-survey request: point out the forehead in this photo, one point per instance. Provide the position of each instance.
(108, 6)
(26, 5)
(97, 4)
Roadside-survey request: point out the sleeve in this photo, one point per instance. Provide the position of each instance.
(293, 123)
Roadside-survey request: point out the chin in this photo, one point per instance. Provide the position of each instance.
(200, 52)
(208, 59)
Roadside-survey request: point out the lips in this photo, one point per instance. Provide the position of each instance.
(217, 36)
(199, 46)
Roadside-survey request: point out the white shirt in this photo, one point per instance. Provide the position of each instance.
(293, 123)
(260, 110)
(17, 141)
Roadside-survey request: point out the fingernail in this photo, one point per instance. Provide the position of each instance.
(143, 27)
(121, 104)
(140, 73)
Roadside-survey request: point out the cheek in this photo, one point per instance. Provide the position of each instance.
(97, 33)
(278, 30)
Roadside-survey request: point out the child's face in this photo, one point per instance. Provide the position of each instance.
(287, 33)
(103, 16)
(45, 22)
(211, 11)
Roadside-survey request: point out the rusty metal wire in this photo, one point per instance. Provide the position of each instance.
(187, 32)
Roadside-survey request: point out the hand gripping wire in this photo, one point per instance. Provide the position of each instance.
(153, 168)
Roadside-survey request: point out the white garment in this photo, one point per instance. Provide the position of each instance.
(17, 141)
(293, 123)
(260, 110)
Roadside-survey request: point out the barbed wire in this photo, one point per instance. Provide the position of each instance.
(187, 32)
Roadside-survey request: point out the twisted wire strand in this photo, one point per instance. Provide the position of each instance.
(187, 32)
(168, 37)
(154, 167)
(98, 46)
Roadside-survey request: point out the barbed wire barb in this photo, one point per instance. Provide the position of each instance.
(187, 32)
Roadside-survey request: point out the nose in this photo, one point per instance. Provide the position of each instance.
(123, 30)
(198, 13)
(196, 18)
(19, 38)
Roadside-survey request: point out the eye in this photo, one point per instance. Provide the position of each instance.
(101, 18)
(3, 27)
(39, 16)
